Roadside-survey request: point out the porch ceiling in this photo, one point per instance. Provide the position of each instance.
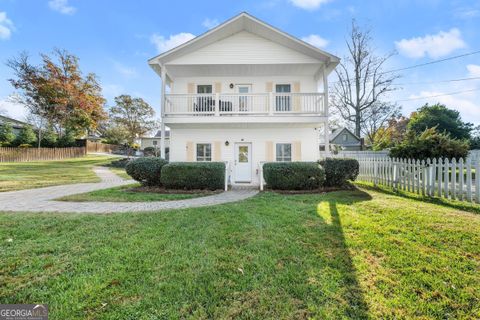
(240, 70)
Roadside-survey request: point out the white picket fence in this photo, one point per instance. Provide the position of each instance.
(438, 177)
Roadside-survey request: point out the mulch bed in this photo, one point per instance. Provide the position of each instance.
(315, 191)
(152, 189)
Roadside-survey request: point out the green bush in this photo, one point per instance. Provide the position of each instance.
(6, 134)
(430, 144)
(25, 136)
(339, 171)
(146, 170)
(120, 163)
(293, 175)
(194, 175)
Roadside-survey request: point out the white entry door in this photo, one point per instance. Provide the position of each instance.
(243, 162)
(244, 99)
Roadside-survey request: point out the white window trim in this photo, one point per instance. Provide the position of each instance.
(211, 151)
(291, 150)
(274, 89)
(204, 84)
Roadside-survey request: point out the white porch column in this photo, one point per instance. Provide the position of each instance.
(162, 112)
(325, 104)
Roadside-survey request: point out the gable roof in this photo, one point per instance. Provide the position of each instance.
(338, 131)
(13, 122)
(244, 22)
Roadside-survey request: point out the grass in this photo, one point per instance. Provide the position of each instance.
(125, 194)
(120, 172)
(26, 175)
(348, 254)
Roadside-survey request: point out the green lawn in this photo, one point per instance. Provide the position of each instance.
(351, 254)
(26, 175)
(125, 194)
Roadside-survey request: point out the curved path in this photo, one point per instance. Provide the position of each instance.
(41, 199)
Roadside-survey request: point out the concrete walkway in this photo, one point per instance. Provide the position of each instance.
(41, 199)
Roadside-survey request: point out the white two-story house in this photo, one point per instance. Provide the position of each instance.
(245, 93)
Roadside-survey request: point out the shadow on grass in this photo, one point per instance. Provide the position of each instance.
(341, 259)
(454, 204)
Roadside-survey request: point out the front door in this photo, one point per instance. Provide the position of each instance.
(282, 101)
(243, 100)
(243, 162)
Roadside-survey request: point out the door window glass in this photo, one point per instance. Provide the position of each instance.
(282, 101)
(243, 154)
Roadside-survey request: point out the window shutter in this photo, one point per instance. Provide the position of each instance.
(191, 88)
(269, 87)
(269, 151)
(217, 151)
(218, 87)
(297, 151)
(296, 99)
(190, 151)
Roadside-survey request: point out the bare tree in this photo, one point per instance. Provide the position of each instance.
(358, 95)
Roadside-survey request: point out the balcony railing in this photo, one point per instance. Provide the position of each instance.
(245, 104)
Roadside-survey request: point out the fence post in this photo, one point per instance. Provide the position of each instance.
(477, 181)
(461, 179)
(469, 180)
(446, 175)
(453, 179)
(375, 168)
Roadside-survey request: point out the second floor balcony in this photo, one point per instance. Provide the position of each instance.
(251, 104)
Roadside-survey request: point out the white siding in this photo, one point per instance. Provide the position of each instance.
(257, 136)
(307, 84)
(244, 48)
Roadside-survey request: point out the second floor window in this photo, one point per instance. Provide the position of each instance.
(284, 152)
(204, 152)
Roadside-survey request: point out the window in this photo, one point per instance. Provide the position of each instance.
(204, 88)
(345, 138)
(284, 152)
(154, 142)
(204, 152)
(282, 101)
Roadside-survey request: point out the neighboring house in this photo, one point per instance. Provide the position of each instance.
(16, 124)
(245, 93)
(346, 140)
(154, 141)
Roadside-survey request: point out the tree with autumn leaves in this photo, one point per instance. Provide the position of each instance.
(58, 93)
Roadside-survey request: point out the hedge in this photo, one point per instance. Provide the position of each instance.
(146, 170)
(293, 175)
(194, 175)
(338, 171)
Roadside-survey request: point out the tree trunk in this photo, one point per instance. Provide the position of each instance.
(357, 124)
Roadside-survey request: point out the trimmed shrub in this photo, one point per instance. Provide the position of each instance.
(338, 171)
(147, 171)
(120, 163)
(293, 175)
(194, 175)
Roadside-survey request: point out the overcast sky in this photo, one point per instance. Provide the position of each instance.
(114, 39)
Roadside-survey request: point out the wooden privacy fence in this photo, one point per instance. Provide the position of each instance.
(438, 177)
(100, 147)
(35, 154)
